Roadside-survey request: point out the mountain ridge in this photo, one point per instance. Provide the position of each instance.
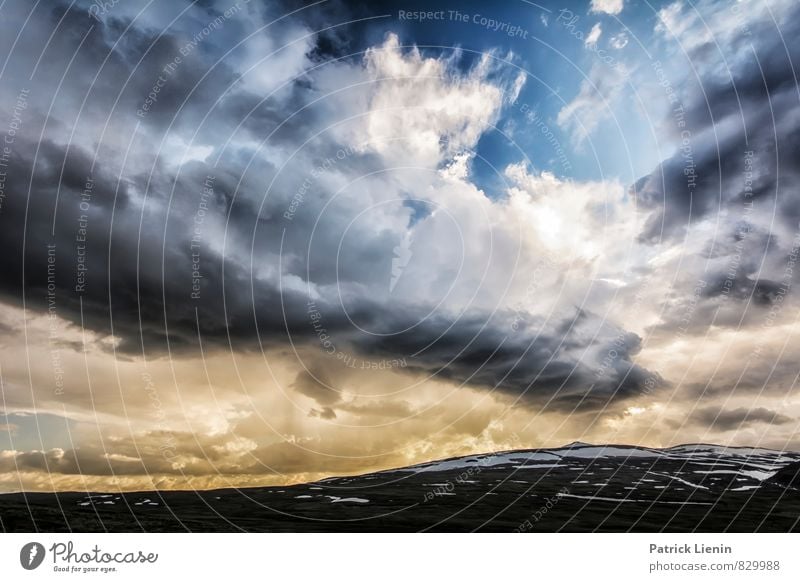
(578, 487)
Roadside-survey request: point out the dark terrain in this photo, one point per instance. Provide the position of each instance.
(578, 488)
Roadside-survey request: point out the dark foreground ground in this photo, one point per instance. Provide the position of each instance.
(579, 488)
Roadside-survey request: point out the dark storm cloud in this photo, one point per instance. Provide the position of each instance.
(317, 386)
(113, 71)
(753, 109)
(529, 361)
(741, 286)
(720, 419)
(123, 273)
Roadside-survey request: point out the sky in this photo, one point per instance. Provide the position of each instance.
(260, 243)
